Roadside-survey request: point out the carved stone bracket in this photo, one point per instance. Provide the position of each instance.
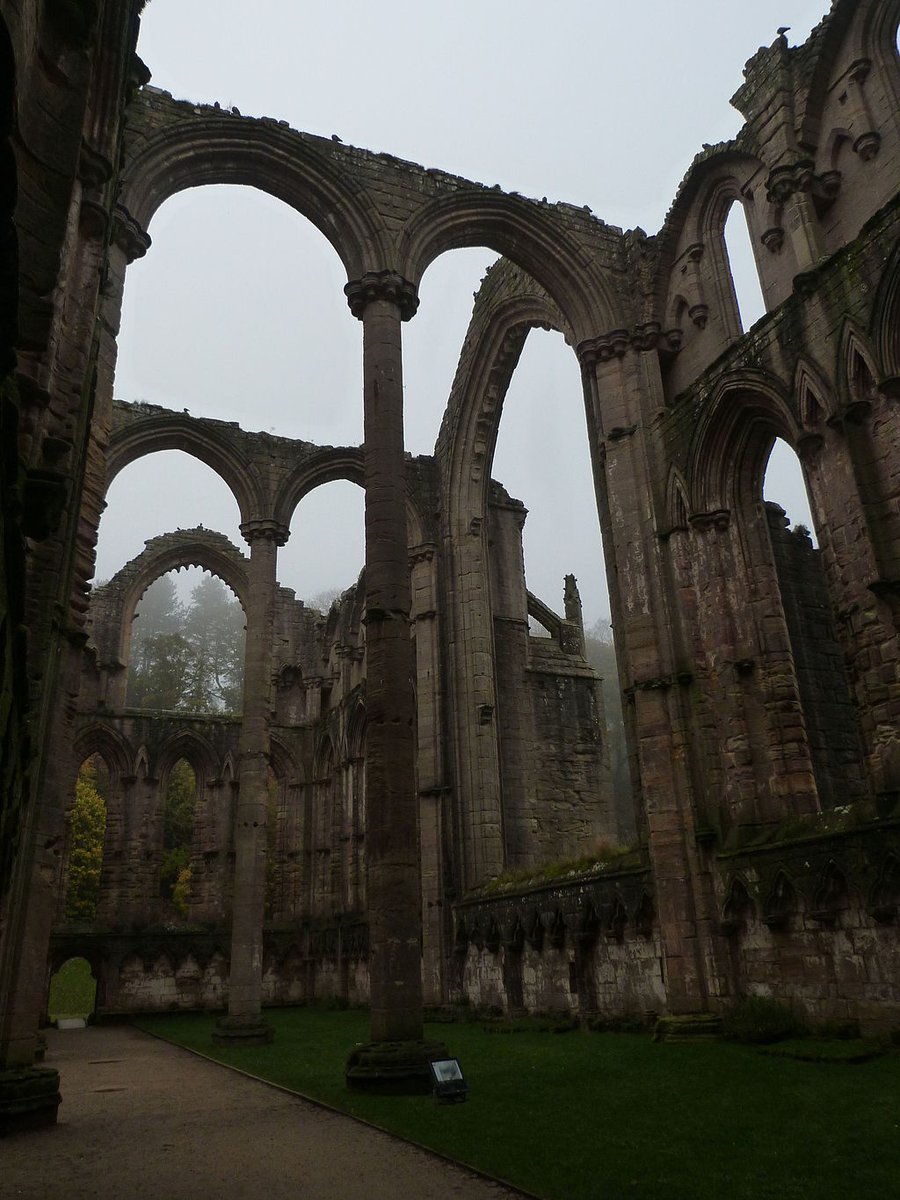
(423, 553)
(382, 285)
(93, 219)
(647, 335)
(790, 178)
(719, 520)
(131, 239)
(94, 169)
(773, 239)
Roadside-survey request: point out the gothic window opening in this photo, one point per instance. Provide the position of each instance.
(742, 264)
(326, 550)
(187, 646)
(176, 871)
(85, 836)
(73, 991)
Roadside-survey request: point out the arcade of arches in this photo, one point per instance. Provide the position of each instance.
(367, 825)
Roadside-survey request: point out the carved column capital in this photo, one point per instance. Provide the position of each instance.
(382, 285)
(646, 336)
(602, 348)
(265, 528)
(131, 239)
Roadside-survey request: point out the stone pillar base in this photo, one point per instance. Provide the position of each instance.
(398, 1068)
(238, 1031)
(29, 1098)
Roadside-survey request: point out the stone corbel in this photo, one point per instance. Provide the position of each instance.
(868, 143)
(132, 240)
(788, 179)
(423, 553)
(93, 219)
(604, 347)
(773, 239)
(809, 446)
(719, 520)
(94, 168)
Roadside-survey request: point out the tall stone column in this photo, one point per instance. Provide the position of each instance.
(244, 1023)
(382, 300)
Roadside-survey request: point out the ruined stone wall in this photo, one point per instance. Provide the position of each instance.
(822, 680)
(582, 947)
(811, 921)
(729, 742)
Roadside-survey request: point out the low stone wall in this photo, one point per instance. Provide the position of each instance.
(169, 970)
(585, 946)
(814, 923)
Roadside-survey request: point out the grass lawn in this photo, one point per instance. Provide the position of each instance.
(72, 990)
(589, 1116)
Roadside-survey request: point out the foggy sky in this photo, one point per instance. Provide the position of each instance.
(237, 311)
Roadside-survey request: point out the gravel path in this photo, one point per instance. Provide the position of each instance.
(143, 1120)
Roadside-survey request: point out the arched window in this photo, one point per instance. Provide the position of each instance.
(784, 484)
(187, 646)
(166, 490)
(73, 991)
(178, 833)
(326, 549)
(86, 833)
(742, 264)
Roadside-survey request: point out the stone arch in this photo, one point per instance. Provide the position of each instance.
(324, 805)
(532, 236)
(884, 898)
(832, 895)
(508, 305)
(677, 504)
(113, 605)
(196, 751)
(813, 397)
(109, 744)
(885, 326)
(178, 431)
(781, 901)
(286, 766)
(747, 412)
(859, 29)
(327, 466)
(192, 147)
(694, 279)
(856, 369)
(738, 910)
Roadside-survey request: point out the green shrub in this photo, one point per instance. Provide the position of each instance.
(759, 1019)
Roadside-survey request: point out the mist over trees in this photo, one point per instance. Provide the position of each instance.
(600, 652)
(187, 657)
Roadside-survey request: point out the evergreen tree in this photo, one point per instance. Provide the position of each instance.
(187, 658)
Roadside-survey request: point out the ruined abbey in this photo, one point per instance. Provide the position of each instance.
(376, 823)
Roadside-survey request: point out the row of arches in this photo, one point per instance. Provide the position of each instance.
(151, 846)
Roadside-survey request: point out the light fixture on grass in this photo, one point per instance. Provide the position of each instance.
(450, 1086)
